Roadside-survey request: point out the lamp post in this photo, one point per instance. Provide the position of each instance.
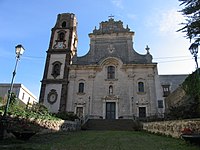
(194, 51)
(19, 51)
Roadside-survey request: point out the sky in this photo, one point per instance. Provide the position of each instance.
(29, 22)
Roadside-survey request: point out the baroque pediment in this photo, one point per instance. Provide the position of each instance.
(111, 26)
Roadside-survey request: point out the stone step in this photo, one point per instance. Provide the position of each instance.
(105, 124)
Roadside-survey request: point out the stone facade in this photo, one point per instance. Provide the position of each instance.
(111, 81)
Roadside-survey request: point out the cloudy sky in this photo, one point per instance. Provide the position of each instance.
(29, 22)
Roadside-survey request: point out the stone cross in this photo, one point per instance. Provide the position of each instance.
(111, 16)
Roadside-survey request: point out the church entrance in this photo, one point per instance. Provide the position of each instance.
(110, 110)
(142, 112)
(79, 112)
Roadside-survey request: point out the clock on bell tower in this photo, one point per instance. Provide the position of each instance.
(62, 49)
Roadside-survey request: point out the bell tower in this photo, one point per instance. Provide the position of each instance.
(62, 49)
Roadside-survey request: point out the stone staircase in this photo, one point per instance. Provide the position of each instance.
(105, 124)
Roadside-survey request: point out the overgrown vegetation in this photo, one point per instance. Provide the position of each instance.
(190, 108)
(1, 100)
(66, 116)
(37, 111)
(23, 119)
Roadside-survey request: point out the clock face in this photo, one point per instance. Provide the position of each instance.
(52, 96)
(60, 45)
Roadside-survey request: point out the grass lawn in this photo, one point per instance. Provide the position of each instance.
(97, 140)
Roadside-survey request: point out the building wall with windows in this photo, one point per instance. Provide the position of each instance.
(21, 92)
(130, 92)
(170, 83)
(111, 81)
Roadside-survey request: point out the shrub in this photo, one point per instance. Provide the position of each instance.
(137, 126)
(40, 109)
(22, 124)
(185, 111)
(189, 108)
(66, 116)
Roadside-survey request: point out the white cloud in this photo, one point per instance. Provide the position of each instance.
(131, 16)
(118, 3)
(170, 21)
(167, 42)
(165, 22)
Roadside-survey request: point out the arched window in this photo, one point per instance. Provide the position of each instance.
(111, 72)
(110, 90)
(61, 36)
(140, 86)
(56, 69)
(81, 87)
(63, 24)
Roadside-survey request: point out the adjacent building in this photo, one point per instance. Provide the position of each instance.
(111, 81)
(21, 92)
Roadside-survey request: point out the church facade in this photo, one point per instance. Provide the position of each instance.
(111, 81)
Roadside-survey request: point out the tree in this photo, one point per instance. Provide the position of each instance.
(1, 100)
(190, 106)
(191, 85)
(192, 25)
(13, 99)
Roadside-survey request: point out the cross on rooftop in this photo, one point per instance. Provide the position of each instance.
(147, 49)
(111, 16)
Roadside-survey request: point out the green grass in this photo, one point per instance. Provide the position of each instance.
(98, 140)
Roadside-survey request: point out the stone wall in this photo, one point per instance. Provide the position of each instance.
(172, 128)
(61, 125)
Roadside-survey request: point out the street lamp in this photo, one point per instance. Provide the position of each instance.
(3, 124)
(19, 49)
(194, 51)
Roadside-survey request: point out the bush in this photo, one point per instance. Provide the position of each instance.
(66, 116)
(190, 107)
(38, 111)
(137, 126)
(22, 124)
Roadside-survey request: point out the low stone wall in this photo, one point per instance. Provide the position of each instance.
(172, 128)
(61, 125)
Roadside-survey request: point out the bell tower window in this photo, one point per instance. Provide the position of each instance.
(111, 72)
(56, 69)
(63, 24)
(61, 36)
